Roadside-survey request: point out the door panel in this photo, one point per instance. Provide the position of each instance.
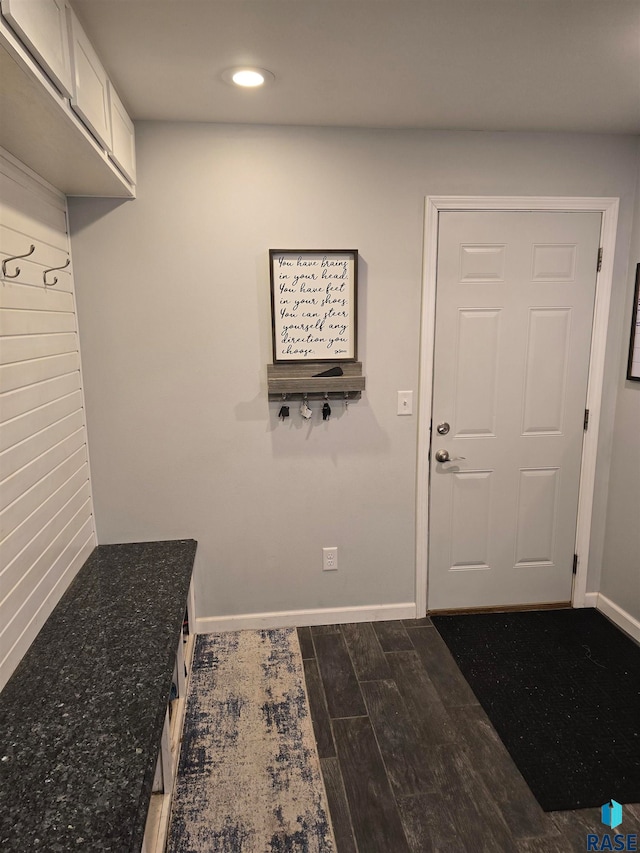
(474, 402)
(548, 340)
(537, 504)
(514, 310)
(470, 503)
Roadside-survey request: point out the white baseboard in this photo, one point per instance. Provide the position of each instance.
(295, 618)
(628, 623)
(590, 599)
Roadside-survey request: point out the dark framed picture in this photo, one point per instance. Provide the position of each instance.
(633, 367)
(314, 304)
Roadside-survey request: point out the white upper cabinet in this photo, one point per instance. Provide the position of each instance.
(67, 122)
(42, 27)
(123, 151)
(91, 98)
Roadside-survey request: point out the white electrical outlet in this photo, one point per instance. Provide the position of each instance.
(329, 559)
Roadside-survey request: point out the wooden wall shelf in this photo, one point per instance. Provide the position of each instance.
(298, 379)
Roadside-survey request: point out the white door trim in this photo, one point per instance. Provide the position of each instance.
(433, 206)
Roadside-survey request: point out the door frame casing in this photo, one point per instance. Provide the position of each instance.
(434, 205)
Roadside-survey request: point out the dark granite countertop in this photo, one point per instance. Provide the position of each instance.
(82, 716)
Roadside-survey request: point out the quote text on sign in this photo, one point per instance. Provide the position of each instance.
(312, 301)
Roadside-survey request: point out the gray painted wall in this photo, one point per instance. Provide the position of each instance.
(621, 564)
(173, 301)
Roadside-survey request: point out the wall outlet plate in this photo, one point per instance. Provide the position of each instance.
(329, 559)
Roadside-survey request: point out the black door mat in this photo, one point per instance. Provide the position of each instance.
(562, 689)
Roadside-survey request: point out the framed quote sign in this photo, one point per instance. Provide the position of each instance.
(314, 296)
(633, 368)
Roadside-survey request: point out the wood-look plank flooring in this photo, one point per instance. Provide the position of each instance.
(410, 761)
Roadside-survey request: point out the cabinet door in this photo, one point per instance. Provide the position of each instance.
(91, 98)
(41, 25)
(123, 151)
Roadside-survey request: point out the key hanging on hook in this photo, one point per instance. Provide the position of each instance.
(326, 409)
(305, 411)
(284, 409)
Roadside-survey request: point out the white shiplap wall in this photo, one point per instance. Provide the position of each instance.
(46, 514)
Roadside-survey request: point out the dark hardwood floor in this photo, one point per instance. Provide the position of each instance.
(410, 761)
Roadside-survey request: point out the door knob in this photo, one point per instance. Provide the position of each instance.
(443, 456)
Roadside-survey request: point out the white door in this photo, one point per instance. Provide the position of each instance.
(514, 310)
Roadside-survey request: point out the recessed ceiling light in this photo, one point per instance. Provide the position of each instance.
(248, 78)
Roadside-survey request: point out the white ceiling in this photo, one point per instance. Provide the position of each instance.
(517, 65)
